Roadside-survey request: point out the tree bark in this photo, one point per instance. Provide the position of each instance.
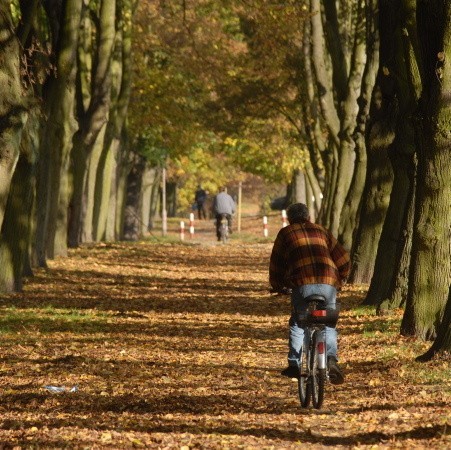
(57, 133)
(132, 224)
(376, 198)
(93, 107)
(121, 88)
(351, 207)
(12, 106)
(442, 343)
(338, 75)
(430, 272)
(15, 231)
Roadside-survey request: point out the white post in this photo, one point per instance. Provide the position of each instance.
(265, 226)
(182, 230)
(284, 218)
(191, 225)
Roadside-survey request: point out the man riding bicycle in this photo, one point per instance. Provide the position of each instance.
(223, 204)
(307, 258)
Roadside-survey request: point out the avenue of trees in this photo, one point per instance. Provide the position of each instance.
(347, 102)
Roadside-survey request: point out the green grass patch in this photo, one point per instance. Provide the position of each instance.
(50, 320)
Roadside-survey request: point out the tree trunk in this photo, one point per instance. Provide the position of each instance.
(150, 179)
(132, 224)
(338, 70)
(351, 207)
(430, 273)
(121, 86)
(12, 105)
(395, 101)
(94, 95)
(15, 231)
(442, 343)
(93, 167)
(56, 140)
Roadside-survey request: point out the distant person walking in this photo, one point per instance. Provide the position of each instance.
(199, 198)
(223, 204)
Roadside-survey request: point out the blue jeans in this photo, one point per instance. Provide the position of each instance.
(296, 332)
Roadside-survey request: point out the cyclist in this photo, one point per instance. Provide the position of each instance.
(223, 204)
(307, 258)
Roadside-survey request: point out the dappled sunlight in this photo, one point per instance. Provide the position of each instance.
(181, 344)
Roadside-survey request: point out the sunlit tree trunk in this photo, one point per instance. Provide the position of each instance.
(121, 87)
(112, 232)
(297, 191)
(351, 207)
(93, 108)
(339, 64)
(150, 180)
(442, 342)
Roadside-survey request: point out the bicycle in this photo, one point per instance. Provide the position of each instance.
(313, 370)
(224, 228)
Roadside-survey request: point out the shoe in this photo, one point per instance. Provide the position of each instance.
(290, 372)
(335, 374)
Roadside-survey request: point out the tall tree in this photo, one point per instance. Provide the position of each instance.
(13, 108)
(398, 98)
(56, 142)
(93, 104)
(430, 272)
(107, 200)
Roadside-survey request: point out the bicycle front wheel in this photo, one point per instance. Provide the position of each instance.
(318, 375)
(304, 381)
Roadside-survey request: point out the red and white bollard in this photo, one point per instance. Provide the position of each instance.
(191, 225)
(182, 230)
(265, 226)
(284, 218)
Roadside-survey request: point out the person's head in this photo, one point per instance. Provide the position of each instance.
(298, 213)
(223, 189)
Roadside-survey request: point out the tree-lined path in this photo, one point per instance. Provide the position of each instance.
(179, 345)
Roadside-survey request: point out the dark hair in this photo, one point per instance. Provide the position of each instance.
(298, 212)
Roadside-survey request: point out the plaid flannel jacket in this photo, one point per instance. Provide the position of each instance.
(307, 253)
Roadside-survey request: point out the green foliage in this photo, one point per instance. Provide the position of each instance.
(219, 72)
(149, 143)
(266, 148)
(203, 166)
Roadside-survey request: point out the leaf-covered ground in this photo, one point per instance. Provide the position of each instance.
(179, 346)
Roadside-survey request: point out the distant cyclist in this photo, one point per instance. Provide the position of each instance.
(223, 204)
(307, 258)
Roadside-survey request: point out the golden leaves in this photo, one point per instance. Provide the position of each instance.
(179, 346)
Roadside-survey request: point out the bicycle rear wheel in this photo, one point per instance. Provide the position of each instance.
(318, 375)
(305, 380)
(224, 230)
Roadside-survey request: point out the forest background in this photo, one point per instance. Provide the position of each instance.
(347, 103)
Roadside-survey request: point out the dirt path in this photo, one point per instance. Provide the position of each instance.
(179, 346)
